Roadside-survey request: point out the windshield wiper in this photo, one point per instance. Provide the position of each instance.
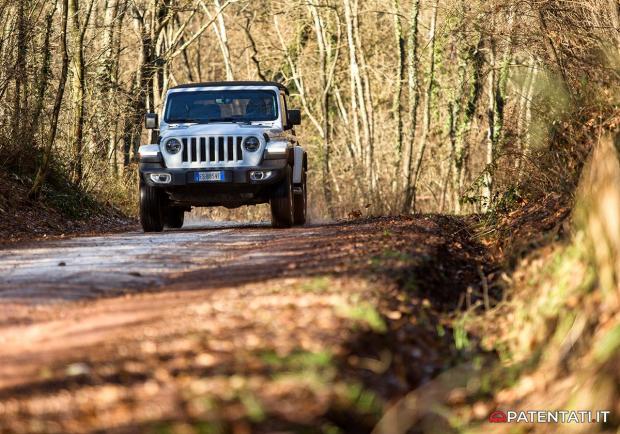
(232, 120)
(184, 121)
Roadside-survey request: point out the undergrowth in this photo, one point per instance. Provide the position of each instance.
(557, 334)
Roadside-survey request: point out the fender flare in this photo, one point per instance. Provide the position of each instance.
(300, 163)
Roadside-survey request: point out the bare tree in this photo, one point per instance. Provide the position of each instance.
(487, 178)
(426, 125)
(413, 62)
(249, 17)
(359, 83)
(448, 108)
(472, 83)
(328, 58)
(43, 170)
(43, 77)
(222, 37)
(20, 77)
(77, 32)
(399, 41)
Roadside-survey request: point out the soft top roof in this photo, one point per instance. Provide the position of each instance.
(233, 83)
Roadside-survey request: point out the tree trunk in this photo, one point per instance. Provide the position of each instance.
(366, 105)
(222, 37)
(354, 79)
(39, 181)
(77, 92)
(319, 28)
(105, 79)
(501, 97)
(413, 63)
(498, 86)
(399, 41)
(255, 56)
(614, 13)
(487, 178)
(426, 126)
(461, 147)
(78, 85)
(141, 89)
(116, 55)
(297, 75)
(527, 141)
(44, 76)
(454, 111)
(359, 102)
(20, 79)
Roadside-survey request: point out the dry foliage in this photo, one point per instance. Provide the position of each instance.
(443, 105)
(561, 328)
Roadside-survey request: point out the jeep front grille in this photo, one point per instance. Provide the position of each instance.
(212, 150)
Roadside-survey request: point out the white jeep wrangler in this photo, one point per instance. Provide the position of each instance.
(223, 144)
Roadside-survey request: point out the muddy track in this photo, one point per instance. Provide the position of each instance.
(233, 328)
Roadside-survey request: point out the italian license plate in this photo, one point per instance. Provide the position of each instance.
(209, 176)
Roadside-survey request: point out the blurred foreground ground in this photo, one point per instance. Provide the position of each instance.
(229, 328)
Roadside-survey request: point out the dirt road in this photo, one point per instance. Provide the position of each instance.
(227, 328)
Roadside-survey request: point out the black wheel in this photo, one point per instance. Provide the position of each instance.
(175, 217)
(282, 202)
(300, 201)
(151, 209)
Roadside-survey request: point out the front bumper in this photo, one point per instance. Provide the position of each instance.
(233, 176)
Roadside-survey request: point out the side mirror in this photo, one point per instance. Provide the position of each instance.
(294, 117)
(151, 121)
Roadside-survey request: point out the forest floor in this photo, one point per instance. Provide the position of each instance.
(63, 212)
(231, 328)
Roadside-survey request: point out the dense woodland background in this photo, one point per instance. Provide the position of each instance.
(484, 107)
(425, 105)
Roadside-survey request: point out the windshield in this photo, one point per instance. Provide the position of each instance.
(221, 106)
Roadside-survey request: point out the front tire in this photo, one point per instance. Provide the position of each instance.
(300, 202)
(282, 206)
(175, 217)
(151, 209)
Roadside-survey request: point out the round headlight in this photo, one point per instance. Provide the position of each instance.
(251, 144)
(173, 146)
